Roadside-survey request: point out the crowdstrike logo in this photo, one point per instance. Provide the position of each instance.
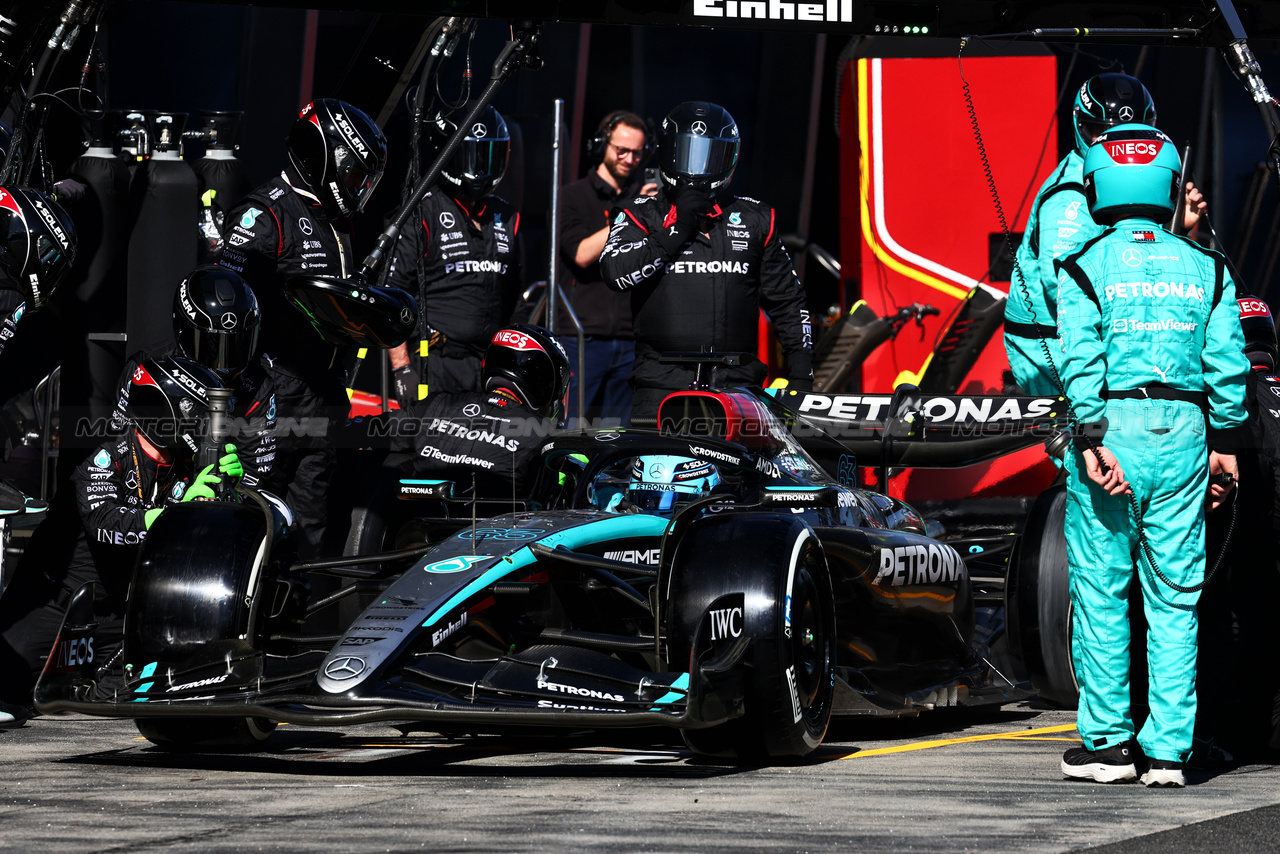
(775, 10)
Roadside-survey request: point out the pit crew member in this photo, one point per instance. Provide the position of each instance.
(216, 322)
(494, 433)
(461, 259)
(93, 532)
(700, 263)
(37, 249)
(1060, 225)
(1152, 350)
(300, 223)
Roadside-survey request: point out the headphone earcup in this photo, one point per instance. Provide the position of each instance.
(596, 144)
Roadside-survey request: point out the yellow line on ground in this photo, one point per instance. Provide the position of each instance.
(943, 742)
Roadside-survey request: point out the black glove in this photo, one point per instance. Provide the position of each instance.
(404, 382)
(68, 190)
(800, 373)
(691, 203)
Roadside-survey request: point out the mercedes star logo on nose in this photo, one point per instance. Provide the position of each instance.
(228, 321)
(699, 128)
(347, 667)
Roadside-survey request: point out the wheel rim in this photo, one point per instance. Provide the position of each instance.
(811, 652)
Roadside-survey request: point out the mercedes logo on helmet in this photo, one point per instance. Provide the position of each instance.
(699, 127)
(656, 471)
(1126, 114)
(347, 667)
(478, 130)
(229, 320)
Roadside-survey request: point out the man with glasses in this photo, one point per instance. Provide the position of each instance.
(460, 256)
(618, 150)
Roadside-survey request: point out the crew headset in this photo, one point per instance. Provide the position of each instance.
(1060, 443)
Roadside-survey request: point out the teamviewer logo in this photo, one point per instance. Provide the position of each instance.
(1120, 326)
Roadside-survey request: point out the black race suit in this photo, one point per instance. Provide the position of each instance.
(707, 297)
(452, 436)
(12, 306)
(252, 414)
(277, 231)
(92, 533)
(467, 282)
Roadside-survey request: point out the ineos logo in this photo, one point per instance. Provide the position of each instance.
(347, 667)
(446, 219)
(699, 128)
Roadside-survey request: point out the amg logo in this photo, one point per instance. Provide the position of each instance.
(776, 10)
(920, 564)
(544, 685)
(440, 635)
(726, 623)
(649, 556)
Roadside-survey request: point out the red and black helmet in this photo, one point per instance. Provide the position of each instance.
(529, 361)
(340, 152)
(37, 242)
(216, 320)
(1259, 330)
(169, 402)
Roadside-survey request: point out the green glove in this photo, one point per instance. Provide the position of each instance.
(230, 465)
(149, 517)
(202, 487)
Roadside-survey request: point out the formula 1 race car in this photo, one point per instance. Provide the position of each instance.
(745, 618)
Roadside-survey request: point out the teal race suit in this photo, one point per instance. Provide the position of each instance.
(1152, 350)
(1059, 225)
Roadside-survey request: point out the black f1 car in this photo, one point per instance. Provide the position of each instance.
(746, 619)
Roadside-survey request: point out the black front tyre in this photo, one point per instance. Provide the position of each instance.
(195, 734)
(788, 677)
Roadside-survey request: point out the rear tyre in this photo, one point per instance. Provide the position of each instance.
(1039, 601)
(190, 734)
(788, 673)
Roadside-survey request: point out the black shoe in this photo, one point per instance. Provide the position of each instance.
(13, 716)
(1112, 765)
(1162, 774)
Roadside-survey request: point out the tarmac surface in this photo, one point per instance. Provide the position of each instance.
(946, 781)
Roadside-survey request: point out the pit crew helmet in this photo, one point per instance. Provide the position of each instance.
(529, 361)
(37, 242)
(1107, 100)
(661, 483)
(169, 401)
(697, 145)
(480, 160)
(216, 320)
(340, 152)
(1132, 170)
(1259, 331)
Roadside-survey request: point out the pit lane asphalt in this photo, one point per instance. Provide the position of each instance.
(945, 781)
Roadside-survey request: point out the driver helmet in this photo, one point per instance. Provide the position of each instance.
(1132, 170)
(341, 154)
(480, 160)
(531, 362)
(216, 320)
(168, 402)
(1259, 331)
(1107, 100)
(697, 144)
(37, 242)
(660, 483)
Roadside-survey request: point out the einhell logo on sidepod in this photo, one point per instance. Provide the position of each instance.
(517, 341)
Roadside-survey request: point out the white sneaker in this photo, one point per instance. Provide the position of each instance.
(1163, 775)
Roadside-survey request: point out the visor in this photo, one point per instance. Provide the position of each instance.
(225, 352)
(653, 500)
(357, 182)
(697, 156)
(481, 158)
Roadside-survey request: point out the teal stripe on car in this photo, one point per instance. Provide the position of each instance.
(672, 696)
(631, 525)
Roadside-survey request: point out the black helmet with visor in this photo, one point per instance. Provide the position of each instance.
(480, 160)
(341, 154)
(169, 402)
(37, 242)
(216, 320)
(698, 145)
